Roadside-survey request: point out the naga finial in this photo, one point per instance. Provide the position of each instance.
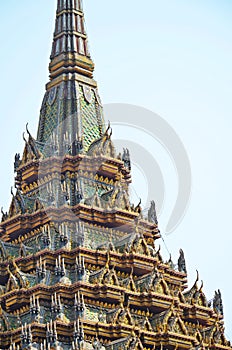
(27, 129)
(24, 137)
(201, 287)
(28, 132)
(108, 128)
(111, 133)
(138, 208)
(197, 279)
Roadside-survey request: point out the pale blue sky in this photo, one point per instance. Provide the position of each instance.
(172, 56)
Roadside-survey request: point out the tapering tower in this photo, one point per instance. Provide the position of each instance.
(72, 92)
(79, 263)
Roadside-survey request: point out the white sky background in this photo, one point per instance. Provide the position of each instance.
(171, 56)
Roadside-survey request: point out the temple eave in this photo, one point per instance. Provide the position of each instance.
(24, 223)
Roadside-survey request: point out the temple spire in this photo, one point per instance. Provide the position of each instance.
(70, 52)
(71, 102)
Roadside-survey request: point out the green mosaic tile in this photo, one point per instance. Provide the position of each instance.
(90, 122)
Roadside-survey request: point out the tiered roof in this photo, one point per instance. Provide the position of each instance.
(80, 267)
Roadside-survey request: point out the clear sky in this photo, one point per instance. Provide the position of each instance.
(171, 56)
